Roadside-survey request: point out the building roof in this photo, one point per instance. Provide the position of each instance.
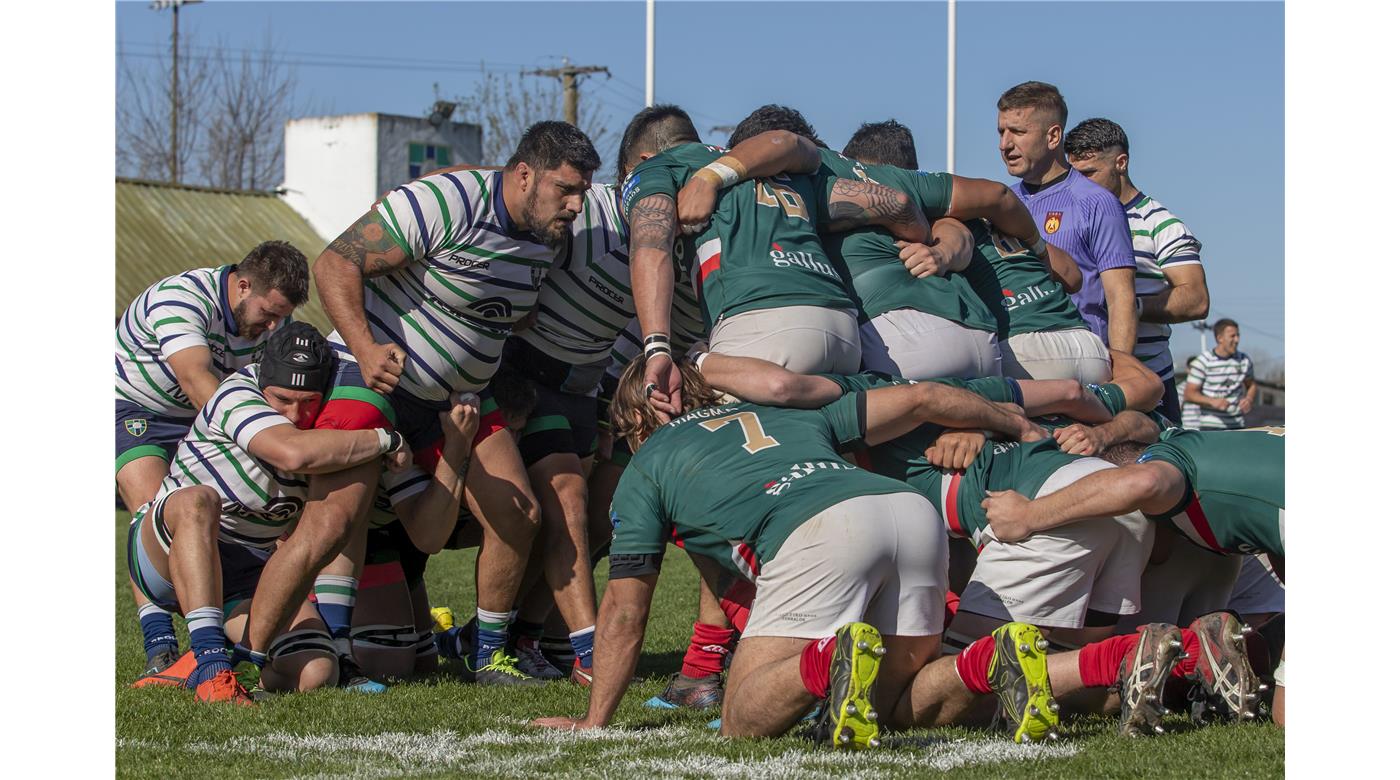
(163, 229)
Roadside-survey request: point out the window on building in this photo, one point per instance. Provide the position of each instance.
(423, 158)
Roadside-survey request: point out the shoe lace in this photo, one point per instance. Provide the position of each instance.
(505, 664)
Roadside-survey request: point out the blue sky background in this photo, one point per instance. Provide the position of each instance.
(1198, 86)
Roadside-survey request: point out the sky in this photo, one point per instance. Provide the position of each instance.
(1199, 87)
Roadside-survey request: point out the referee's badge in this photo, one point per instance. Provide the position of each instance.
(1052, 221)
(136, 427)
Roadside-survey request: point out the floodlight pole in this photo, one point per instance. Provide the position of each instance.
(651, 52)
(952, 81)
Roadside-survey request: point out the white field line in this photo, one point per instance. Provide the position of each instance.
(610, 753)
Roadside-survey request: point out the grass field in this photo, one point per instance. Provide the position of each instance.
(442, 727)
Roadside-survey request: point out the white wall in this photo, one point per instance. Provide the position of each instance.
(330, 169)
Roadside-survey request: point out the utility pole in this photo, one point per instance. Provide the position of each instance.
(174, 6)
(569, 74)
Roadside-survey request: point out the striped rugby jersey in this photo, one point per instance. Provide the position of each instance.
(258, 500)
(182, 311)
(473, 275)
(585, 302)
(1160, 240)
(1218, 377)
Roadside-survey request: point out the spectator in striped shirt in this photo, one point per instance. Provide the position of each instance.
(1170, 281)
(1220, 385)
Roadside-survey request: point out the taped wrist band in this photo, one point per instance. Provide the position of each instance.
(727, 169)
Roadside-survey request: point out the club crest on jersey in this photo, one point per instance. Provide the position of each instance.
(1052, 221)
(136, 427)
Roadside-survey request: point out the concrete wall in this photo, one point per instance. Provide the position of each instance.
(398, 133)
(338, 166)
(330, 169)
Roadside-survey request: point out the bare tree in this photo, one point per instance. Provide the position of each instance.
(143, 112)
(506, 105)
(232, 107)
(252, 95)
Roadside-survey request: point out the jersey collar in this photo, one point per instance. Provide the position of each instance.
(498, 203)
(230, 324)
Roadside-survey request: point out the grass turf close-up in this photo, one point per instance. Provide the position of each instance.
(440, 726)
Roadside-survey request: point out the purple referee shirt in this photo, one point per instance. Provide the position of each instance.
(1087, 221)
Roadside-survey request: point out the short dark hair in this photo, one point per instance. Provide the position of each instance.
(1095, 135)
(1123, 453)
(654, 130)
(774, 117)
(1223, 323)
(276, 265)
(548, 145)
(885, 143)
(1038, 95)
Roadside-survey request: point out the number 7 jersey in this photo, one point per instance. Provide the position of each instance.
(744, 473)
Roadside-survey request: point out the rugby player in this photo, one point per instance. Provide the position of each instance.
(584, 304)
(1003, 280)
(1222, 490)
(423, 290)
(236, 484)
(1074, 213)
(1170, 281)
(927, 329)
(790, 519)
(175, 343)
(766, 285)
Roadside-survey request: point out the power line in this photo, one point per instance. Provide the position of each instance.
(401, 63)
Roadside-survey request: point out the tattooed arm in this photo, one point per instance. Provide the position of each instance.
(854, 203)
(363, 250)
(652, 226)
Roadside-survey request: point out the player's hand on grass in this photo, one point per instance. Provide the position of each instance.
(1007, 513)
(1080, 439)
(695, 203)
(923, 260)
(381, 365)
(563, 724)
(955, 450)
(663, 386)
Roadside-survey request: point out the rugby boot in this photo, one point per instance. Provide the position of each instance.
(1142, 677)
(443, 619)
(1020, 679)
(352, 678)
(168, 670)
(848, 719)
(502, 670)
(224, 686)
(1226, 685)
(691, 693)
(532, 662)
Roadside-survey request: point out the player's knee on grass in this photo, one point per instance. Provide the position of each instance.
(302, 659)
(383, 636)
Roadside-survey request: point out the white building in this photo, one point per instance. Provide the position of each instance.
(338, 166)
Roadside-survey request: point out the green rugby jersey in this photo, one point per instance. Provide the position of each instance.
(999, 466)
(760, 249)
(1014, 285)
(878, 278)
(1234, 499)
(741, 472)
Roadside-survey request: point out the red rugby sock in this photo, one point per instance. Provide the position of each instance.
(974, 663)
(815, 666)
(1192, 647)
(708, 647)
(1099, 661)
